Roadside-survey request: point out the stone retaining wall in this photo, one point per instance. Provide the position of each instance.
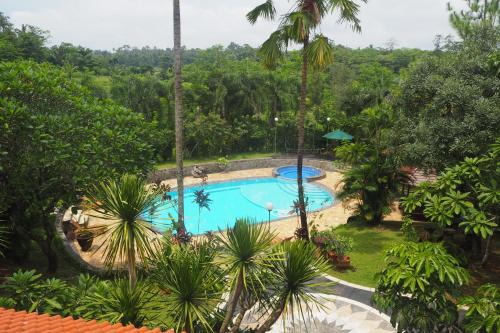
(257, 163)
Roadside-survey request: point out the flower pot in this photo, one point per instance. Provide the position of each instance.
(319, 241)
(343, 262)
(332, 256)
(85, 243)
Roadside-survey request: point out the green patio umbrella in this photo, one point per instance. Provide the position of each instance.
(338, 135)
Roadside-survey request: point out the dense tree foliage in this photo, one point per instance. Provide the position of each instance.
(449, 103)
(56, 139)
(227, 90)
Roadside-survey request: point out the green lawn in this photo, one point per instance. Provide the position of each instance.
(367, 256)
(188, 162)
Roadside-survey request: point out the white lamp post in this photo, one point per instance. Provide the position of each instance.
(269, 207)
(275, 131)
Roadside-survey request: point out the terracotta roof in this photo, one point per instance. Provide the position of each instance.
(12, 321)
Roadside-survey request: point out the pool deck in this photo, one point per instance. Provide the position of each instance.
(332, 216)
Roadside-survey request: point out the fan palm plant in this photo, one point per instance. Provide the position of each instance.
(128, 236)
(245, 250)
(299, 25)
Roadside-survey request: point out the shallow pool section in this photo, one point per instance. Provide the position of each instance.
(240, 198)
(309, 173)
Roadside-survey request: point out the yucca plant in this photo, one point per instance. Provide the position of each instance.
(118, 302)
(245, 253)
(190, 285)
(296, 273)
(129, 236)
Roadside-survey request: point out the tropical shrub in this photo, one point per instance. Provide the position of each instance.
(417, 286)
(465, 197)
(374, 176)
(483, 310)
(115, 301)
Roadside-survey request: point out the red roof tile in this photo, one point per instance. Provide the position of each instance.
(12, 321)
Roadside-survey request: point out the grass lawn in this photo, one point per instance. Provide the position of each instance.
(367, 256)
(188, 162)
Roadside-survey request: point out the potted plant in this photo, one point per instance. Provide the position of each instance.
(222, 163)
(85, 237)
(330, 250)
(343, 245)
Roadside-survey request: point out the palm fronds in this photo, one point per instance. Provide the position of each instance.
(265, 10)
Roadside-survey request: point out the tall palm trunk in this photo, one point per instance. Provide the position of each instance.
(300, 145)
(179, 146)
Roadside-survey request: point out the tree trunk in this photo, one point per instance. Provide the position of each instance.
(231, 305)
(46, 244)
(132, 273)
(179, 145)
(300, 145)
(273, 317)
(239, 318)
(486, 250)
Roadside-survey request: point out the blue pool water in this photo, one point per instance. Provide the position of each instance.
(290, 172)
(238, 199)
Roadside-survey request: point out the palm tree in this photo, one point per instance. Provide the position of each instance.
(297, 26)
(244, 254)
(202, 199)
(179, 136)
(128, 236)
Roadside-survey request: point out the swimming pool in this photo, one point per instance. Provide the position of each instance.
(290, 172)
(240, 198)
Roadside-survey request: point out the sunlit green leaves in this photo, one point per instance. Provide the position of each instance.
(416, 283)
(466, 195)
(483, 313)
(320, 52)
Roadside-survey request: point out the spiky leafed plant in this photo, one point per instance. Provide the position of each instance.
(117, 301)
(128, 236)
(202, 199)
(245, 253)
(297, 26)
(297, 271)
(191, 286)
